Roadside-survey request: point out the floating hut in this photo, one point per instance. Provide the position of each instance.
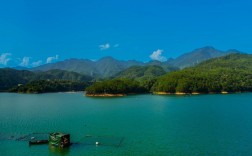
(59, 140)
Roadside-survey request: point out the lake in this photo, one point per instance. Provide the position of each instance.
(143, 124)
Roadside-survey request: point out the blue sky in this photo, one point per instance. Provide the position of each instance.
(34, 32)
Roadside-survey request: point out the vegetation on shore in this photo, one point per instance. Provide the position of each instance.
(115, 86)
(45, 86)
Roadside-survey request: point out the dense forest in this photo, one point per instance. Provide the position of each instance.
(115, 86)
(231, 73)
(45, 86)
(141, 72)
(145, 75)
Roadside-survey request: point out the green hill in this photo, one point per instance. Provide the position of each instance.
(231, 73)
(57, 74)
(10, 77)
(145, 75)
(45, 86)
(141, 72)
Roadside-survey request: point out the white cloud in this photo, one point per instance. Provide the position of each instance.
(104, 46)
(116, 45)
(157, 55)
(4, 58)
(52, 58)
(37, 63)
(25, 61)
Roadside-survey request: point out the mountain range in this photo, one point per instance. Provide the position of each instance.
(108, 66)
(84, 70)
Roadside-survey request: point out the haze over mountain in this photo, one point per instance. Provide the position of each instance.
(108, 66)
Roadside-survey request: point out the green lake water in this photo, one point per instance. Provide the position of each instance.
(148, 124)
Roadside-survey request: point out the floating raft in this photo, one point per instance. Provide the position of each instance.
(38, 142)
(33, 137)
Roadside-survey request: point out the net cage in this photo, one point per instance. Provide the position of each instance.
(102, 141)
(24, 137)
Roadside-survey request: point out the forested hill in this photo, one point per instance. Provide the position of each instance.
(231, 73)
(10, 77)
(141, 72)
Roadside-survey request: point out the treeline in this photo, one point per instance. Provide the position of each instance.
(45, 86)
(213, 81)
(115, 86)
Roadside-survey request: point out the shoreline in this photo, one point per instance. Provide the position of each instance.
(193, 93)
(176, 93)
(105, 95)
(121, 94)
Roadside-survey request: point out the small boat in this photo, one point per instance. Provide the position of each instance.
(38, 142)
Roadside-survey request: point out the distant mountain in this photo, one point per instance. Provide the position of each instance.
(198, 55)
(104, 67)
(168, 67)
(108, 66)
(12, 77)
(56, 74)
(83, 66)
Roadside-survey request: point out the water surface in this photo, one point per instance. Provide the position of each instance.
(149, 124)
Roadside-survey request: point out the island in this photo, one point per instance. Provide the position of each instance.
(115, 87)
(226, 74)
